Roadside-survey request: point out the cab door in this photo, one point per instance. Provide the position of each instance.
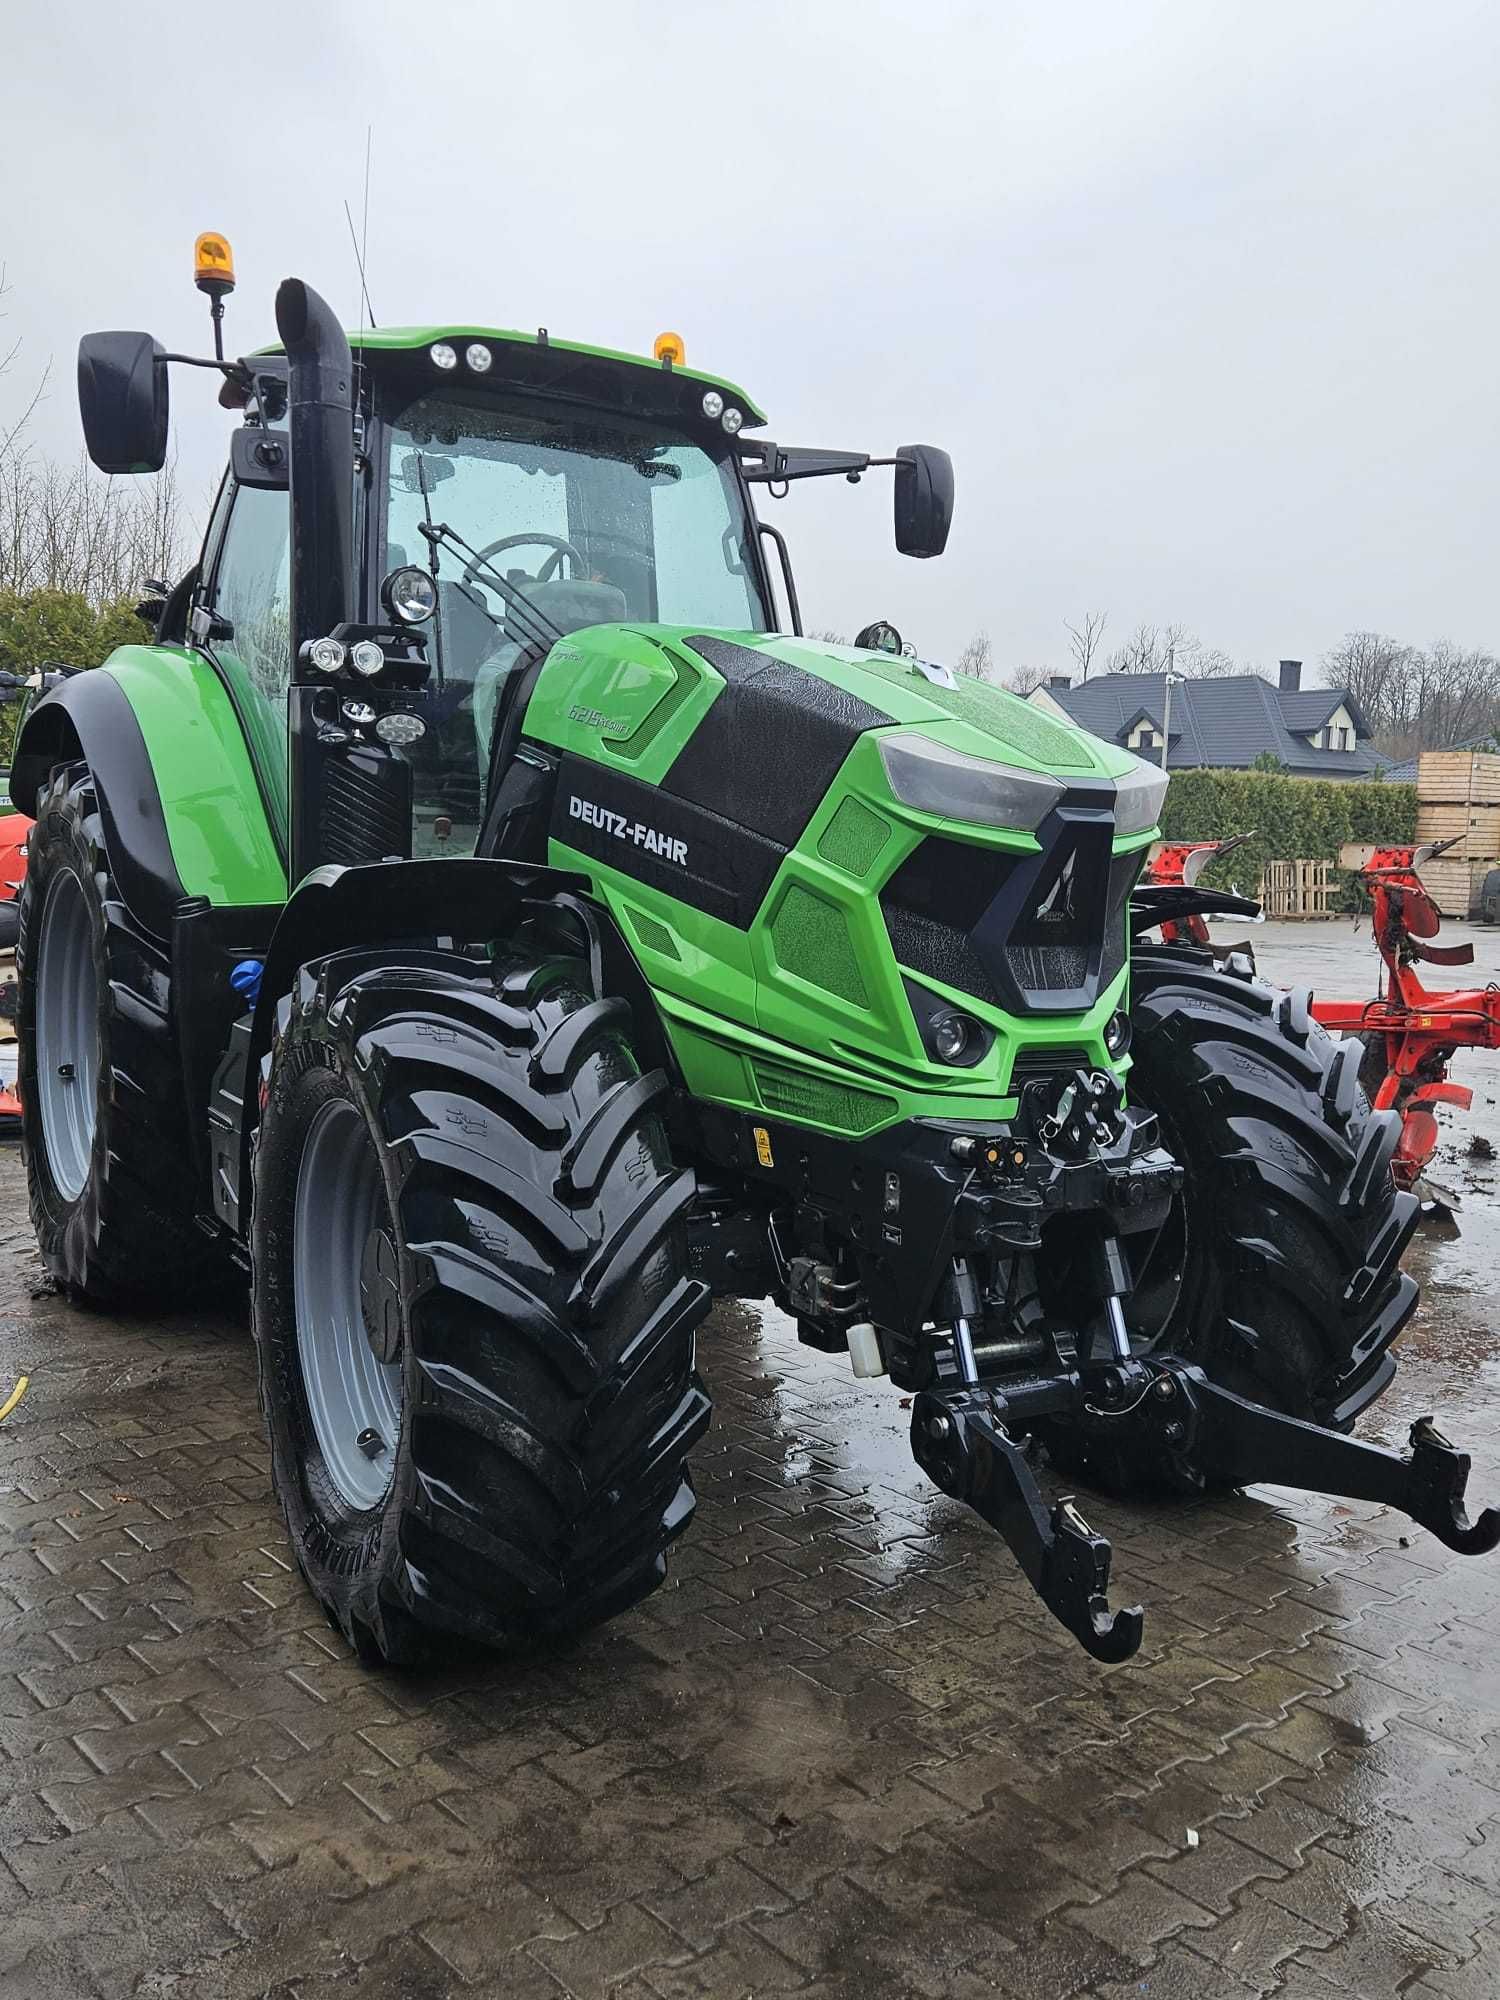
(241, 621)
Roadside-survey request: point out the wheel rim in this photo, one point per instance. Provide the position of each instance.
(67, 1034)
(347, 1305)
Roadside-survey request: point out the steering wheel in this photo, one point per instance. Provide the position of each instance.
(536, 538)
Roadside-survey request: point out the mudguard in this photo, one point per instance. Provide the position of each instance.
(382, 905)
(183, 813)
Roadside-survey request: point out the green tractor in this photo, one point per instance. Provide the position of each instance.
(482, 915)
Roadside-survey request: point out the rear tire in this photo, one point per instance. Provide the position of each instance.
(1278, 1272)
(530, 1301)
(103, 1114)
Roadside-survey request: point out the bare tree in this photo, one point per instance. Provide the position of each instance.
(13, 426)
(1167, 649)
(1026, 680)
(1084, 639)
(1140, 654)
(1414, 699)
(1380, 674)
(1204, 663)
(976, 659)
(70, 529)
(67, 528)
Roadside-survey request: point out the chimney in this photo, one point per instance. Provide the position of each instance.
(1291, 676)
(1059, 681)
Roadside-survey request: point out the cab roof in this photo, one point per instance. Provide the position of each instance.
(411, 339)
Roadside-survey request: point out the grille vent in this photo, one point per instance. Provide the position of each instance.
(811, 939)
(363, 816)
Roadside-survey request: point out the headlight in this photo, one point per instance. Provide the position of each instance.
(443, 356)
(327, 655)
(935, 779)
(1138, 798)
(713, 403)
(953, 1037)
(366, 657)
(478, 357)
(398, 728)
(410, 594)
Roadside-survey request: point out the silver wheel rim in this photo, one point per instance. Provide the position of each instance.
(343, 1262)
(67, 1034)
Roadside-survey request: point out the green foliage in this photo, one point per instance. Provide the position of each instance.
(1270, 762)
(1292, 819)
(41, 628)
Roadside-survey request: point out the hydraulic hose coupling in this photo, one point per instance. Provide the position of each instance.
(246, 978)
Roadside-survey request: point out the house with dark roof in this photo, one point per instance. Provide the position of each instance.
(1223, 724)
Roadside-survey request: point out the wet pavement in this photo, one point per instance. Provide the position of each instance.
(842, 1753)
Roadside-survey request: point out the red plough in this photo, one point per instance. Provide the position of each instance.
(1410, 1031)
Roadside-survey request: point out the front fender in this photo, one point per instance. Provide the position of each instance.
(182, 812)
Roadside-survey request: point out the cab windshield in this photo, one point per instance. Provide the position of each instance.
(591, 519)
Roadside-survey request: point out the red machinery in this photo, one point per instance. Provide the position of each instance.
(1178, 866)
(14, 829)
(1409, 1030)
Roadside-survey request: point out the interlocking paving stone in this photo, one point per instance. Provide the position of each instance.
(843, 1753)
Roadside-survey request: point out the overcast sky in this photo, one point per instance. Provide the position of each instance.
(1201, 296)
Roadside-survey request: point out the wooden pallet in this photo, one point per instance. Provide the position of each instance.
(1458, 777)
(1454, 885)
(1476, 828)
(1297, 889)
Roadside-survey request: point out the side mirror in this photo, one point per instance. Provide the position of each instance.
(923, 499)
(122, 398)
(260, 458)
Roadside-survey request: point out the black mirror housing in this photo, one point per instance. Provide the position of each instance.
(260, 458)
(122, 398)
(923, 499)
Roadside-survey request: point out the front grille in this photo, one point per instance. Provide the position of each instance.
(931, 905)
(1034, 934)
(1051, 1059)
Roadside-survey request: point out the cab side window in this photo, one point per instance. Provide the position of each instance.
(251, 590)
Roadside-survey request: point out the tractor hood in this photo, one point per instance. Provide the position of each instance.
(970, 716)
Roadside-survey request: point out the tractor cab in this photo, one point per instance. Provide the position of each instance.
(413, 519)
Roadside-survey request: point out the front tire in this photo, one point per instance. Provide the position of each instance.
(103, 1112)
(1278, 1273)
(462, 1183)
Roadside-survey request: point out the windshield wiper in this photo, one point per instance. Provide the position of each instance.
(532, 622)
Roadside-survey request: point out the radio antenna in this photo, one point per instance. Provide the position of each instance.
(361, 242)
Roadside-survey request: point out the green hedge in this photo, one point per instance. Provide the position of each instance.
(1294, 819)
(43, 627)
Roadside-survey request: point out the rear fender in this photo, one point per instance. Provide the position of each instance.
(183, 814)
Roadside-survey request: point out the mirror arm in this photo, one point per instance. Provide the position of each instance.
(767, 464)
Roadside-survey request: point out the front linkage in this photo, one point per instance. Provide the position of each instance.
(1079, 1158)
(959, 1438)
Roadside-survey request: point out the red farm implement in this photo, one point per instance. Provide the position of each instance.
(1409, 1031)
